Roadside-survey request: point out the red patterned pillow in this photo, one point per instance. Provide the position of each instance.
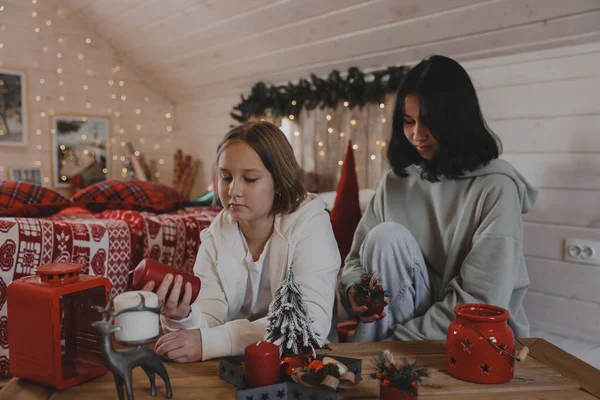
(23, 199)
(128, 195)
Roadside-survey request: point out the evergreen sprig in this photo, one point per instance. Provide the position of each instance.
(405, 376)
(290, 99)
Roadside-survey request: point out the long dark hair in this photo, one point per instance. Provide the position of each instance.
(449, 108)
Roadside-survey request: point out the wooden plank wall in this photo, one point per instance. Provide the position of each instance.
(368, 35)
(545, 106)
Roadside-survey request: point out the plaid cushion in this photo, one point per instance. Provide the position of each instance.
(23, 199)
(128, 195)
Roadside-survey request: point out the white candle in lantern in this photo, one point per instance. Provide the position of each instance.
(137, 326)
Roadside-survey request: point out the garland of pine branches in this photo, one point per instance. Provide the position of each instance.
(290, 99)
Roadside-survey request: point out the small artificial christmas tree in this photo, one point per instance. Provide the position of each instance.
(288, 323)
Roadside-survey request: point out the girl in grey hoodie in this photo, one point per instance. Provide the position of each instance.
(445, 224)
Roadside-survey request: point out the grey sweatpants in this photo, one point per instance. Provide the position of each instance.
(391, 251)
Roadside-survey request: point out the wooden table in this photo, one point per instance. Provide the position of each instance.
(548, 373)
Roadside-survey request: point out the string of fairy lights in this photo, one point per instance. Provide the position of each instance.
(354, 123)
(75, 74)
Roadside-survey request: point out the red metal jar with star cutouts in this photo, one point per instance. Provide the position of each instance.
(480, 344)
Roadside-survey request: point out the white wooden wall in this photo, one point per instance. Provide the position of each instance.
(82, 64)
(545, 106)
(203, 124)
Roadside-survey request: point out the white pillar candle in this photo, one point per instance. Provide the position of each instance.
(136, 326)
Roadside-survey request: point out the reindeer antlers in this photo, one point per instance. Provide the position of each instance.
(108, 309)
(140, 307)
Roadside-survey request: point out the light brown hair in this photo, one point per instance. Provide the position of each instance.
(277, 155)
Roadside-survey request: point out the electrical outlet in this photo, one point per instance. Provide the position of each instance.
(582, 251)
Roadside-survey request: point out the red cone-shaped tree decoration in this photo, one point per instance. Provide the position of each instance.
(346, 209)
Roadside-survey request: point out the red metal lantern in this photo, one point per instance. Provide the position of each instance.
(480, 344)
(50, 336)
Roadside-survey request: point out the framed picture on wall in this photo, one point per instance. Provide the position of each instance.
(80, 147)
(26, 174)
(13, 110)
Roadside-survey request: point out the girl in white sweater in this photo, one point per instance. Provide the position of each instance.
(269, 224)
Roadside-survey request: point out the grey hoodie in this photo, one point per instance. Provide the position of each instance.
(470, 231)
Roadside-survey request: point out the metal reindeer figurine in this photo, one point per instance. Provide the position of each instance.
(122, 363)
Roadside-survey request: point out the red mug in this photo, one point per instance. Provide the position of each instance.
(151, 270)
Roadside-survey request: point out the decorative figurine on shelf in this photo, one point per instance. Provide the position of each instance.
(398, 381)
(370, 293)
(184, 173)
(290, 327)
(121, 363)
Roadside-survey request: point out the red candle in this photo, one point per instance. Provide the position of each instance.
(151, 270)
(261, 364)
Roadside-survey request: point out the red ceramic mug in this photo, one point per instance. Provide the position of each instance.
(480, 344)
(151, 270)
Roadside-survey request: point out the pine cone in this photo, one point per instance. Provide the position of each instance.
(368, 292)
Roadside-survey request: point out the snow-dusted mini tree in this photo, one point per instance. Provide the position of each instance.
(288, 323)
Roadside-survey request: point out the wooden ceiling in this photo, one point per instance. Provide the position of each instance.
(193, 49)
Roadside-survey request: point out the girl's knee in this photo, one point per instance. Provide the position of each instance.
(388, 246)
(386, 233)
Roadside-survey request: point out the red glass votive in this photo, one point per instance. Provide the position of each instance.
(151, 270)
(261, 364)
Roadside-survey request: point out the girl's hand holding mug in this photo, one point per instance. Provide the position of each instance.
(169, 292)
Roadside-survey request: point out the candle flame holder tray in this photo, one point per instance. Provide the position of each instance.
(231, 370)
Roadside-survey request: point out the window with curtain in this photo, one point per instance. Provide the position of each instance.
(320, 137)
